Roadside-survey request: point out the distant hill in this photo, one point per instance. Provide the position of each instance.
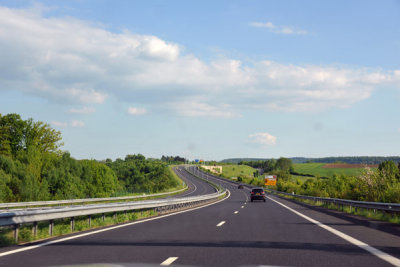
(349, 160)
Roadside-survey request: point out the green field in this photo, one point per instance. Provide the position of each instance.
(237, 170)
(317, 169)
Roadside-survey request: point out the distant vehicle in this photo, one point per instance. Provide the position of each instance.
(240, 186)
(257, 194)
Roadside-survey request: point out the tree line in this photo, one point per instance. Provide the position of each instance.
(269, 165)
(377, 185)
(367, 160)
(32, 167)
(380, 185)
(173, 159)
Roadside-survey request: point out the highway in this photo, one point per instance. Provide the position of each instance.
(232, 232)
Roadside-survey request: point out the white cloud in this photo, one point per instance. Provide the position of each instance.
(83, 110)
(86, 95)
(69, 60)
(264, 139)
(280, 29)
(59, 124)
(74, 123)
(136, 111)
(195, 108)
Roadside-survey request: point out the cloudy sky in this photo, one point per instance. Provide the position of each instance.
(206, 79)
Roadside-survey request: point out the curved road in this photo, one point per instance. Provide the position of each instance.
(232, 232)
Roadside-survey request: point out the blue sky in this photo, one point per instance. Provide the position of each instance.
(206, 79)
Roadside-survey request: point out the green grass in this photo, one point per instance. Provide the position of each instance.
(378, 215)
(317, 169)
(237, 170)
(301, 178)
(181, 185)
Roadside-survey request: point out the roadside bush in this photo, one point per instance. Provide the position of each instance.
(381, 185)
(25, 234)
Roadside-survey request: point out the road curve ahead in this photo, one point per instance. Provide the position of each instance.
(232, 232)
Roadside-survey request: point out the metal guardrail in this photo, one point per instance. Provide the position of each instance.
(388, 207)
(81, 200)
(18, 217)
(22, 217)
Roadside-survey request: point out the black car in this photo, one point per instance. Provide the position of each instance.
(240, 186)
(257, 194)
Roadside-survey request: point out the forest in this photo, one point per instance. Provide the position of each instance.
(33, 167)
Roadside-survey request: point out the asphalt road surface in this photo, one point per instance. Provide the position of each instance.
(232, 232)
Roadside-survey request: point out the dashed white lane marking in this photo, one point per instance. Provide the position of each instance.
(242, 207)
(220, 224)
(169, 261)
(380, 254)
(236, 212)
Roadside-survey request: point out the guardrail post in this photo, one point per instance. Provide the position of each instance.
(351, 209)
(89, 220)
(34, 229)
(103, 217)
(72, 224)
(114, 215)
(51, 227)
(16, 232)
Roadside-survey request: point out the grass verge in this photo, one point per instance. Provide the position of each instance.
(368, 213)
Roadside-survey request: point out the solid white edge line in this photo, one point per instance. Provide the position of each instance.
(220, 224)
(107, 229)
(169, 261)
(376, 252)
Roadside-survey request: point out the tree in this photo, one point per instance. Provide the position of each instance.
(284, 164)
(11, 134)
(390, 169)
(21, 135)
(270, 165)
(41, 135)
